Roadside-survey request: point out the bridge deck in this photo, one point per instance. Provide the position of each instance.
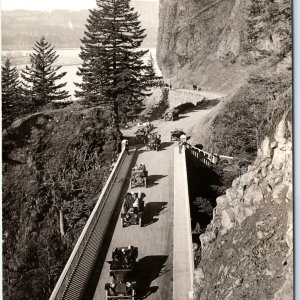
(154, 239)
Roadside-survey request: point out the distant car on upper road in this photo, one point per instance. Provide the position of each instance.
(172, 115)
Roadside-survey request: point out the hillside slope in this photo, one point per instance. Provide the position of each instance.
(55, 164)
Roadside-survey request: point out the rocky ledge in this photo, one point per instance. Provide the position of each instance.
(247, 250)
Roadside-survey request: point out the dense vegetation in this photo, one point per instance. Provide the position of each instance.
(54, 166)
(11, 93)
(249, 115)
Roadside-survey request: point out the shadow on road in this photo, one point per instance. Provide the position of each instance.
(181, 117)
(206, 104)
(151, 212)
(152, 179)
(148, 269)
(165, 145)
(202, 105)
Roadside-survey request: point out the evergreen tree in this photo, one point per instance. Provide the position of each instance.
(11, 94)
(113, 72)
(40, 78)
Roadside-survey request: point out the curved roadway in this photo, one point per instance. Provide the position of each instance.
(155, 238)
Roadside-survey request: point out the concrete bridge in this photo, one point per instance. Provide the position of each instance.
(165, 263)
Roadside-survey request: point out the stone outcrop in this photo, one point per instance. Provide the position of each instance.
(247, 250)
(215, 44)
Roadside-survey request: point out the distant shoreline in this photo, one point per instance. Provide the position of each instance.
(62, 48)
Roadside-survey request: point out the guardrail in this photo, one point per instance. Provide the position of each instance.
(75, 275)
(203, 156)
(206, 157)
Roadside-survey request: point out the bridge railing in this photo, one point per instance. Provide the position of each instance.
(206, 157)
(203, 156)
(76, 273)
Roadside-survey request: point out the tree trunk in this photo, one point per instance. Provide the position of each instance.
(61, 223)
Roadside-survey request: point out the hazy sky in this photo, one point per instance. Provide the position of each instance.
(50, 4)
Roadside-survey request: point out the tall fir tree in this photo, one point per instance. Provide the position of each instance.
(12, 101)
(113, 72)
(40, 78)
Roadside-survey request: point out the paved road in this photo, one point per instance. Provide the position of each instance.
(155, 238)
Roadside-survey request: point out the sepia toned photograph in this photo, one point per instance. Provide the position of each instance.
(147, 150)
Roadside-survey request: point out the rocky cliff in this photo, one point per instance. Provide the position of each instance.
(247, 249)
(215, 44)
(243, 49)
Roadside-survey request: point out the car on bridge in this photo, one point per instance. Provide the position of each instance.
(121, 269)
(139, 176)
(132, 209)
(172, 115)
(154, 141)
(140, 136)
(175, 134)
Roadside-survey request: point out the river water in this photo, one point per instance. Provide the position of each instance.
(68, 59)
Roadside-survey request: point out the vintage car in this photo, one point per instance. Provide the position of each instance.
(121, 268)
(140, 136)
(171, 115)
(139, 176)
(154, 141)
(132, 209)
(175, 134)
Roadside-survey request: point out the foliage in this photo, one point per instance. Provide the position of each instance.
(237, 130)
(268, 20)
(56, 162)
(113, 73)
(13, 104)
(41, 76)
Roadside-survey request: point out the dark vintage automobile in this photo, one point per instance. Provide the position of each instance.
(132, 209)
(121, 267)
(139, 176)
(140, 136)
(175, 134)
(154, 141)
(172, 115)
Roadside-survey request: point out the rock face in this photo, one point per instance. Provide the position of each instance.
(213, 43)
(247, 250)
